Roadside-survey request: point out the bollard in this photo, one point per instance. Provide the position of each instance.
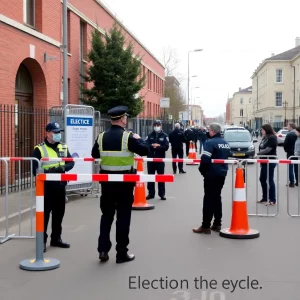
(39, 263)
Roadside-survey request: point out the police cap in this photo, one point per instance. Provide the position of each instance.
(54, 127)
(157, 122)
(118, 112)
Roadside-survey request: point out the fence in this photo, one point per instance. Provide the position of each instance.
(22, 127)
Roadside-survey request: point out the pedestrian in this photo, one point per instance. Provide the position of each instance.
(289, 148)
(158, 142)
(176, 139)
(189, 136)
(214, 179)
(116, 147)
(202, 138)
(297, 153)
(268, 147)
(54, 191)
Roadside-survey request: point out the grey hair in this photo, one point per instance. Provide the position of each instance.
(177, 125)
(216, 127)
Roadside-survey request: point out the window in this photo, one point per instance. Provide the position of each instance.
(29, 12)
(277, 119)
(278, 99)
(241, 100)
(278, 76)
(241, 113)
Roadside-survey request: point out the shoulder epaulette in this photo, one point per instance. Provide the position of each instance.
(41, 144)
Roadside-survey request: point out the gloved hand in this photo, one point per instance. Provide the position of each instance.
(51, 170)
(60, 169)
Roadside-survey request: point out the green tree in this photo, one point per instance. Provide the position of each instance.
(115, 73)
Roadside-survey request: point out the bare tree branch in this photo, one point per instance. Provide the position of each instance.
(170, 61)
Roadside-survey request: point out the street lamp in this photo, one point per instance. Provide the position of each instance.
(197, 87)
(196, 50)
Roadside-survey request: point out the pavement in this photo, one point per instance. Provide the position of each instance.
(167, 249)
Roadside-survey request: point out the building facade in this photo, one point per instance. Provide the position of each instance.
(239, 108)
(196, 114)
(276, 89)
(31, 74)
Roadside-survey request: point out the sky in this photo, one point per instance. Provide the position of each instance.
(236, 36)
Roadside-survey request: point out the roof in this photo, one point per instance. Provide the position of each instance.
(287, 55)
(242, 91)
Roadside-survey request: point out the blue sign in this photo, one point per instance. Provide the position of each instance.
(77, 121)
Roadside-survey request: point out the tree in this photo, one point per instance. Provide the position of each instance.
(114, 72)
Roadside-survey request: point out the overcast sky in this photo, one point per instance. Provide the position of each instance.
(235, 37)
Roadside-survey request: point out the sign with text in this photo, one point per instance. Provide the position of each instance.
(79, 139)
(164, 102)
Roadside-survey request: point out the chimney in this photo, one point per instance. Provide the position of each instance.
(240, 89)
(297, 41)
(272, 54)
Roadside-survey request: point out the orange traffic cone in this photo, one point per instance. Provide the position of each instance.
(192, 154)
(239, 221)
(140, 202)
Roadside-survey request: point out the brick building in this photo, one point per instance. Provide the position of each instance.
(32, 60)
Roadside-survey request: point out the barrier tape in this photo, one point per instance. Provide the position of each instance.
(108, 177)
(183, 160)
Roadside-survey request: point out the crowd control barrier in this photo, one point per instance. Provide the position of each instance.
(295, 162)
(25, 199)
(42, 264)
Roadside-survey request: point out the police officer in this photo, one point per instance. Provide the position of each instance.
(189, 136)
(55, 191)
(214, 178)
(176, 138)
(159, 144)
(116, 147)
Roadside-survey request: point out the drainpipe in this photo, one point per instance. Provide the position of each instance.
(294, 100)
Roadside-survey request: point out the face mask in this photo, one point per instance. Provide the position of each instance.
(56, 137)
(156, 128)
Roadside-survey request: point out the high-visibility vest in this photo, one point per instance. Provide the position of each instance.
(116, 160)
(47, 151)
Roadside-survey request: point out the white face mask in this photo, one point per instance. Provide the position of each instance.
(157, 128)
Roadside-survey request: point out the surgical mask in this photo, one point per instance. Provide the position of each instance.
(56, 137)
(157, 128)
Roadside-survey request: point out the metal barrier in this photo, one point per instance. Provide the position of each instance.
(14, 176)
(294, 164)
(42, 264)
(263, 160)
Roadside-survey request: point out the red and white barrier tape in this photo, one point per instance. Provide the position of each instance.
(107, 177)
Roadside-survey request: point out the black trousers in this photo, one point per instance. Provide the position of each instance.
(187, 148)
(54, 203)
(160, 169)
(212, 202)
(177, 152)
(116, 197)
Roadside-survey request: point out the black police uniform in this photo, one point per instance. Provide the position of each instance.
(117, 196)
(214, 179)
(162, 139)
(176, 139)
(189, 136)
(54, 193)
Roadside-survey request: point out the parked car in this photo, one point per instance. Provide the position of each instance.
(240, 142)
(281, 134)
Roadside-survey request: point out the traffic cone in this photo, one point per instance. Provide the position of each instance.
(239, 220)
(192, 154)
(140, 202)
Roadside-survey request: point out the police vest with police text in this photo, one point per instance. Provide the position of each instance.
(47, 151)
(116, 160)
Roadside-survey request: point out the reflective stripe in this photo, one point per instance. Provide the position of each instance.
(206, 153)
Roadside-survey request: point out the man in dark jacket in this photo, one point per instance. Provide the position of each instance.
(214, 179)
(177, 139)
(289, 147)
(202, 138)
(189, 136)
(159, 144)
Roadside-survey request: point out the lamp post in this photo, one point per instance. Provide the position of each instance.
(196, 50)
(65, 53)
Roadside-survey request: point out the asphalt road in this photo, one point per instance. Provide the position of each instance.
(165, 246)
